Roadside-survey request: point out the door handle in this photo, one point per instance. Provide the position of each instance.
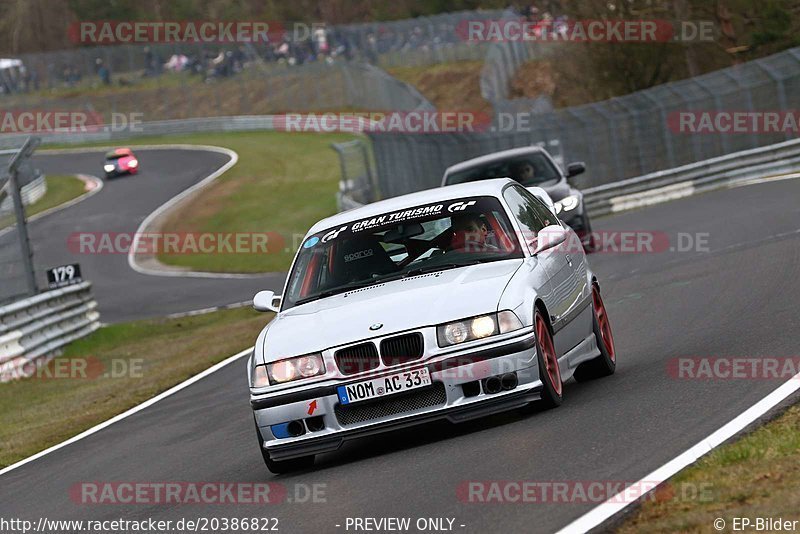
(569, 260)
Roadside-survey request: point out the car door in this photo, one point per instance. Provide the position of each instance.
(569, 284)
(563, 292)
(543, 267)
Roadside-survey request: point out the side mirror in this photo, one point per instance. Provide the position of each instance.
(267, 301)
(549, 237)
(575, 168)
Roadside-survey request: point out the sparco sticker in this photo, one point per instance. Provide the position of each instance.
(361, 254)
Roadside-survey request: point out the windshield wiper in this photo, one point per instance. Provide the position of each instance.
(338, 289)
(436, 268)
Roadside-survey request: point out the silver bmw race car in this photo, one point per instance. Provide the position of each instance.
(451, 303)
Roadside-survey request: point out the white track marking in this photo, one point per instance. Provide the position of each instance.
(616, 504)
(135, 409)
(234, 157)
(652, 196)
(204, 311)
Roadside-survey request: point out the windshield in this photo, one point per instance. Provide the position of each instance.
(394, 245)
(114, 154)
(529, 170)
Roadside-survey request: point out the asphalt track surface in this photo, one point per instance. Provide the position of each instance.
(738, 299)
(122, 293)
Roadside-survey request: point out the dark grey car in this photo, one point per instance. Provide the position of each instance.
(532, 166)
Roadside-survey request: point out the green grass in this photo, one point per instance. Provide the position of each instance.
(60, 189)
(755, 476)
(147, 356)
(282, 183)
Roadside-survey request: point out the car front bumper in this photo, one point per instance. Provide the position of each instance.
(451, 396)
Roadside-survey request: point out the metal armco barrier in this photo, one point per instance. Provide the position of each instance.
(773, 160)
(30, 193)
(33, 330)
(620, 138)
(16, 260)
(241, 123)
(258, 90)
(364, 87)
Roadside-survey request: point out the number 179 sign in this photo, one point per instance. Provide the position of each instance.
(64, 275)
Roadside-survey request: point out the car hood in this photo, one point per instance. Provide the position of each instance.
(400, 305)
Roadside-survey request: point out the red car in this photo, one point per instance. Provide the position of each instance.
(120, 161)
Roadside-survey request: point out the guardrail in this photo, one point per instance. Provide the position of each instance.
(780, 158)
(30, 193)
(366, 87)
(237, 123)
(33, 330)
(771, 160)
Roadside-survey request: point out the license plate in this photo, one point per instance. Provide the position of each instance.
(387, 385)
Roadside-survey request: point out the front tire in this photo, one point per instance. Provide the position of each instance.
(606, 363)
(549, 371)
(283, 466)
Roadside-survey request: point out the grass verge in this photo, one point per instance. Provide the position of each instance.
(60, 189)
(143, 359)
(756, 476)
(282, 184)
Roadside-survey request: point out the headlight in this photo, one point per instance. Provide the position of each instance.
(295, 368)
(133, 163)
(453, 333)
(567, 204)
(259, 377)
(108, 167)
(477, 328)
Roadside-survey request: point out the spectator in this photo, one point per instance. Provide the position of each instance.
(102, 72)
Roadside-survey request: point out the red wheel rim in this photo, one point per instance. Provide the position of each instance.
(548, 354)
(602, 321)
